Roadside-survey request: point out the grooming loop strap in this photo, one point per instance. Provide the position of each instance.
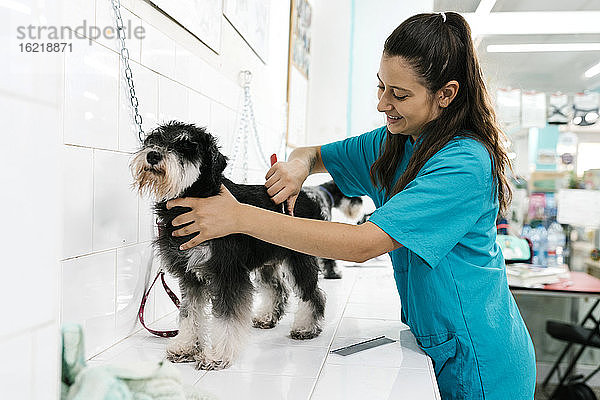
(173, 297)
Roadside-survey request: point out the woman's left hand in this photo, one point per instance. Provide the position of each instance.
(211, 217)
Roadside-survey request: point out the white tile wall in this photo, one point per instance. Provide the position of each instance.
(146, 89)
(88, 298)
(46, 350)
(132, 263)
(31, 93)
(173, 101)
(223, 125)
(199, 109)
(147, 226)
(77, 102)
(158, 51)
(15, 375)
(77, 171)
(91, 97)
(115, 202)
(105, 17)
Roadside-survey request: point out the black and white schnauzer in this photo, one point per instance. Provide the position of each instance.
(182, 160)
(329, 196)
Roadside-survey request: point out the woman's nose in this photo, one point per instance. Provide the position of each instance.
(383, 104)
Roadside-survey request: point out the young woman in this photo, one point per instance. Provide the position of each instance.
(436, 173)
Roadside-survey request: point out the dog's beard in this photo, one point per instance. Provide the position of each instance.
(165, 180)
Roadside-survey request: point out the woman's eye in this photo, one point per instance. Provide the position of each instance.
(381, 87)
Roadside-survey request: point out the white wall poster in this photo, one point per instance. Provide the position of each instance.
(201, 17)
(251, 19)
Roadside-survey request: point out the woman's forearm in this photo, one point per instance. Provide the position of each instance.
(310, 157)
(324, 239)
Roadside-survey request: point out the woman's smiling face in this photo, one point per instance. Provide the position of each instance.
(407, 103)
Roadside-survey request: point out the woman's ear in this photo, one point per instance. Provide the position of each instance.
(447, 93)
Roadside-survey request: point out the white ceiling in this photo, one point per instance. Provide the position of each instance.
(542, 71)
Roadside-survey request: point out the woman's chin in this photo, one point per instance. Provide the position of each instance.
(396, 130)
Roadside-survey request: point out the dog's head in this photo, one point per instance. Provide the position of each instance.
(350, 206)
(173, 157)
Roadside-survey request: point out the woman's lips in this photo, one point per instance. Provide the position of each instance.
(391, 120)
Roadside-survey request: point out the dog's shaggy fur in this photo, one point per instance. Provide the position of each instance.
(328, 195)
(182, 160)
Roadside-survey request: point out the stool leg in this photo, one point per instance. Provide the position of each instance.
(568, 372)
(555, 366)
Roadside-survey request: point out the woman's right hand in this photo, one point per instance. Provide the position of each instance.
(284, 181)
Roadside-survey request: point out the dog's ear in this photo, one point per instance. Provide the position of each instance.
(219, 163)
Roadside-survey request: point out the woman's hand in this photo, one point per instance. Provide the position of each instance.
(211, 217)
(284, 181)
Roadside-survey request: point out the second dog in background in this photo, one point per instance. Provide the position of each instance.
(329, 196)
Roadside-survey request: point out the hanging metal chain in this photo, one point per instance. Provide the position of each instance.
(133, 100)
(247, 125)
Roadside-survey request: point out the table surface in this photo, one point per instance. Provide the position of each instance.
(577, 284)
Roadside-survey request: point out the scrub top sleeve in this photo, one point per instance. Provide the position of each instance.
(441, 205)
(348, 161)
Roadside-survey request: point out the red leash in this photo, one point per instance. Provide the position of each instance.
(173, 297)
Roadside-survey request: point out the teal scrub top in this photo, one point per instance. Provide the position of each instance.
(449, 272)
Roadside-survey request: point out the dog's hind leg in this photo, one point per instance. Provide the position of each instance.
(192, 324)
(273, 297)
(232, 314)
(330, 270)
(311, 307)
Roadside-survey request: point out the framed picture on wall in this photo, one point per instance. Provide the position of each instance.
(298, 71)
(202, 18)
(300, 35)
(251, 19)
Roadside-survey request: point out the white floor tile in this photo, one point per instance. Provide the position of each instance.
(391, 355)
(273, 366)
(244, 385)
(370, 328)
(281, 360)
(379, 311)
(349, 382)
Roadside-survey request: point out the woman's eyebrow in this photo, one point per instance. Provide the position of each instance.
(395, 87)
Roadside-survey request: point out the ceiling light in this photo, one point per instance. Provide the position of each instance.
(536, 47)
(595, 70)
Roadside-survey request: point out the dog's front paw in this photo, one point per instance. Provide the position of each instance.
(304, 334)
(178, 352)
(180, 357)
(264, 322)
(208, 364)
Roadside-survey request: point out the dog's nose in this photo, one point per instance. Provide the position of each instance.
(153, 157)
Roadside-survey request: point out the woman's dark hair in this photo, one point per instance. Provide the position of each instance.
(439, 51)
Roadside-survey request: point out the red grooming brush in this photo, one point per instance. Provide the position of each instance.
(273, 161)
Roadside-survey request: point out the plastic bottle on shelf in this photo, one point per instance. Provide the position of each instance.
(556, 244)
(539, 239)
(526, 232)
(543, 245)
